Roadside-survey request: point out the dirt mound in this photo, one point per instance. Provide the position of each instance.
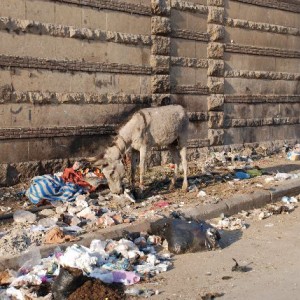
(96, 290)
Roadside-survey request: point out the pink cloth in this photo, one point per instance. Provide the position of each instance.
(127, 278)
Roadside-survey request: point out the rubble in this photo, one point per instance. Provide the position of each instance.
(18, 240)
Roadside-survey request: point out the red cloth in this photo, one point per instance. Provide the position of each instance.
(70, 175)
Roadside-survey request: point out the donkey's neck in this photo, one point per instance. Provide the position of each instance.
(117, 151)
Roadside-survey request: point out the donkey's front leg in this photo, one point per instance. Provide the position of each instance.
(143, 151)
(134, 162)
(185, 167)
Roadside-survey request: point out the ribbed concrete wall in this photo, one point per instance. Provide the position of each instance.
(73, 70)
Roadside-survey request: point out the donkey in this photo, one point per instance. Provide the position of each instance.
(165, 126)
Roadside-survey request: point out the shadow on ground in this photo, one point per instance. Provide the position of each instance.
(287, 168)
(229, 237)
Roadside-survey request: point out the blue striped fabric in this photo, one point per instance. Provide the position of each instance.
(52, 188)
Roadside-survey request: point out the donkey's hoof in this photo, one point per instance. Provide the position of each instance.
(142, 187)
(184, 187)
(172, 186)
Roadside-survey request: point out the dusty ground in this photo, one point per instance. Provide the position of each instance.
(272, 248)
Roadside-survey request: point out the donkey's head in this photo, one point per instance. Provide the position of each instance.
(113, 170)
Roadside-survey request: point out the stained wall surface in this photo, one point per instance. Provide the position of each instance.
(72, 71)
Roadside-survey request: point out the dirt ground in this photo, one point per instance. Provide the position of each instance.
(269, 247)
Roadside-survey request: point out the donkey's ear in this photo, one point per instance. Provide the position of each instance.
(98, 161)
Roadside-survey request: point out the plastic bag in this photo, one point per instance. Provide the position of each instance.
(68, 280)
(184, 236)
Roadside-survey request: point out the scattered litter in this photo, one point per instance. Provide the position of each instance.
(241, 175)
(211, 296)
(269, 225)
(5, 208)
(238, 268)
(226, 277)
(294, 155)
(231, 223)
(161, 204)
(285, 176)
(269, 179)
(192, 188)
(129, 196)
(201, 194)
(289, 200)
(144, 293)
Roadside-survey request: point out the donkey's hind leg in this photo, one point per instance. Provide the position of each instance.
(176, 160)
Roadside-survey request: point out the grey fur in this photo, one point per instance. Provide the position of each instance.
(165, 126)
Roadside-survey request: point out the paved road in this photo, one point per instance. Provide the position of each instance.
(273, 245)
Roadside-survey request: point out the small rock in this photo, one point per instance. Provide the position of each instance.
(75, 221)
(80, 201)
(105, 221)
(61, 209)
(47, 222)
(80, 198)
(74, 209)
(47, 212)
(23, 216)
(85, 212)
(118, 219)
(5, 277)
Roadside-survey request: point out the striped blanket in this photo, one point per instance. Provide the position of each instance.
(52, 188)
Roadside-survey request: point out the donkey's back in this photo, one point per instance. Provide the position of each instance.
(160, 126)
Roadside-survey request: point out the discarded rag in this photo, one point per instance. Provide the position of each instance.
(52, 188)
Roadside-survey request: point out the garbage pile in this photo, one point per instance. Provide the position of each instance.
(127, 261)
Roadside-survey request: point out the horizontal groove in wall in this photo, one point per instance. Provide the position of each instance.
(196, 116)
(198, 143)
(265, 27)
(58, 131)
(189, 62)
(190, 35)
(38, 28)
(262, 75)
(71, 66)
(190, 89)
(8, 95)
(110, 4)
(257, 99)
(258, 122)
(276, 52)
(47, 132)
(276, 4)
(189, 6)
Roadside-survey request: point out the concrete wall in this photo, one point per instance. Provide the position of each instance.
(72, 71)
